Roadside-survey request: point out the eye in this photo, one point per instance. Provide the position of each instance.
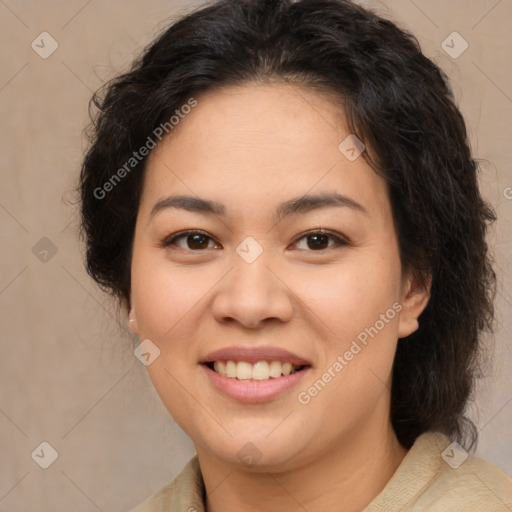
(197, 240)
(194, 240)
(319, 240)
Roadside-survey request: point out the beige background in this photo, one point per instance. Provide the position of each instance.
(67, 370)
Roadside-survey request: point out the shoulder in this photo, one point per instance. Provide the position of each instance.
(185, 492)
(438, 475)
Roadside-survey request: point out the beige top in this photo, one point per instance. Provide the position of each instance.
(434, 476)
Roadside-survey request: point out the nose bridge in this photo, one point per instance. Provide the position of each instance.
(252, 279)
(251, 292)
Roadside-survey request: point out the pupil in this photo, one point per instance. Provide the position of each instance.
(201, 241)
(316, 244)
(196, 240)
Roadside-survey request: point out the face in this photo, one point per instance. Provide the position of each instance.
(283, 259)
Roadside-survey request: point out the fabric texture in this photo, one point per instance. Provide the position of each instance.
(426, 481)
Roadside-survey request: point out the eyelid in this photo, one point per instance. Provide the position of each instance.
(166, 242)
(339, 239)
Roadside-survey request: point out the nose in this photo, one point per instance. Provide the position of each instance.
(252, 294)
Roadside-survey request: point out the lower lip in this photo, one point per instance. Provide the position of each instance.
(251, 391)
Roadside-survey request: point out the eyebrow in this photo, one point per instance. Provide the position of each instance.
(297, 205)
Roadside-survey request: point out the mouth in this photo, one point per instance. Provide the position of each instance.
(254, 374)
(258, 371)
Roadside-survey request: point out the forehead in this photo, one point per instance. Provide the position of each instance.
(276, 115)
(257, 143)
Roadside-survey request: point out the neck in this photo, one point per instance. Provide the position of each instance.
(351, 476)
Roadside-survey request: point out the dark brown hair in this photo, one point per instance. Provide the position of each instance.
(397, 101)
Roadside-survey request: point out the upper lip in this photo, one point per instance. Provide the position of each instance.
(254, 354)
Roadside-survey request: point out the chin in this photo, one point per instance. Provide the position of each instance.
(258, 451)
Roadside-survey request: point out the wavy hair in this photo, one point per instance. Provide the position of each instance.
(396, 100)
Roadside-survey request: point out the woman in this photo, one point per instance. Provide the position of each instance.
(282, 196)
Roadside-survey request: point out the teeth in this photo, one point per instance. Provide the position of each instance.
(275, 369)
(261, 370)
(287, 368)
(220, 367)
(243, 371)
(231, 369)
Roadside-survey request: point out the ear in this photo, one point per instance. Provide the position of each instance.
(415, 297)
(132, 320)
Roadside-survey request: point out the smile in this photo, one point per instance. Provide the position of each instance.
(254, 374)
(258, 371)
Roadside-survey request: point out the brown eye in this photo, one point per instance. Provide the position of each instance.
(197, 241)
(319, 240)
(194, 240)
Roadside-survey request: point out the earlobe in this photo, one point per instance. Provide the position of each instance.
(132, 321)
(415, 299)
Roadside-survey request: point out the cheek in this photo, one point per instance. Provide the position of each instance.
(345, 297)
(358, 305)
(350, 296)
(167, 301)
(165, 297)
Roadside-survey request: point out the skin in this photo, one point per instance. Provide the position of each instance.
(252, 147)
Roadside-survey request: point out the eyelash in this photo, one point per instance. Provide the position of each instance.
(338, 240)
